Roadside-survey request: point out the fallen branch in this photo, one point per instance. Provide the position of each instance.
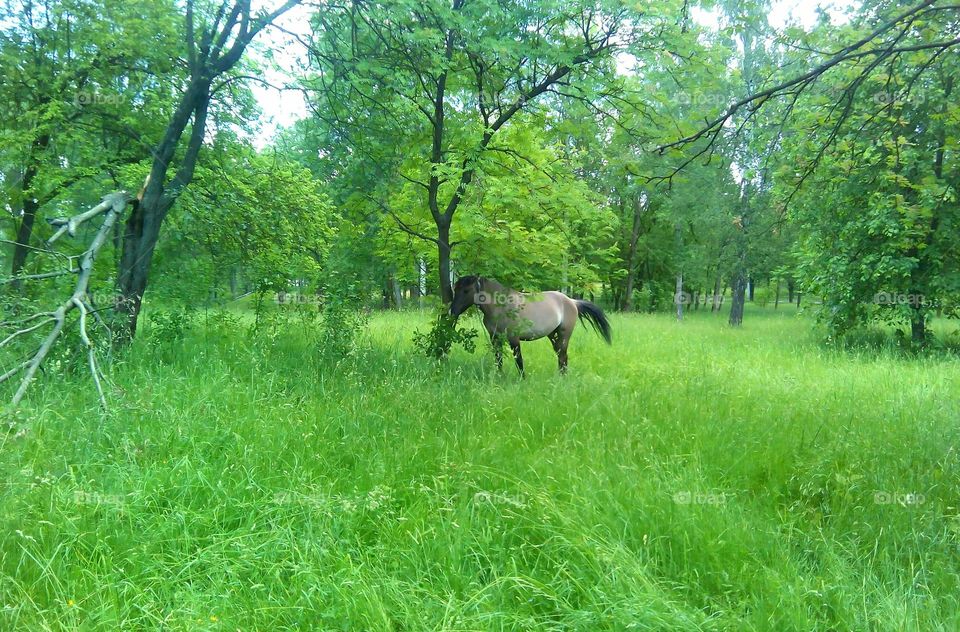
(111, 208)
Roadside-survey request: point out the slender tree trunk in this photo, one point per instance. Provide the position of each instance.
(776, 301)
(679, 292)
(632, 256)
(30, 207)
(738, 290)
(918, 328)
(443, 260)
(394, 286)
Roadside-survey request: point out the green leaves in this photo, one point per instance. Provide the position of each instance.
(443, 336)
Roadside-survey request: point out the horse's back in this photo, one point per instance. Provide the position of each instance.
(543, 313)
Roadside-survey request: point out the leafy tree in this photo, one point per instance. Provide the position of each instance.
(76, 97)
(877, 215)
(422, 89)
(215, 40)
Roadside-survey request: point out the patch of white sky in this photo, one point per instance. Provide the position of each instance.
(785, 13)
(283, 107)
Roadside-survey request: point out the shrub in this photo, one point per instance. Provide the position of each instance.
(439, 340)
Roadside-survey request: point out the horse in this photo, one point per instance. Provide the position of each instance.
(520, 316)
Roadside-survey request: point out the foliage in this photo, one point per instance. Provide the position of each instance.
(877, 216)
(440, 339)
(251, 215)
(167, 330)
(347, 293)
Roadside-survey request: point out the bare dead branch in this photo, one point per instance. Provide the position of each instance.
(111, 208)
(37, 277)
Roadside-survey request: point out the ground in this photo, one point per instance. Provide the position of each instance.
(688, 477)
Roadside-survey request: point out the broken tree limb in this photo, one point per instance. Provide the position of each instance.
(111, 208)
(37, 277)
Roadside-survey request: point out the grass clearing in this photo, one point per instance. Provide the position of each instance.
(689, 477)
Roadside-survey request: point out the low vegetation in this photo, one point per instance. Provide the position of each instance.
(688, 477)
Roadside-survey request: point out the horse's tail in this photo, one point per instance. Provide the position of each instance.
(594, 315)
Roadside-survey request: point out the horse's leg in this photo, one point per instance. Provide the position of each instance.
(515, 345)
(560, 340)
(497, 342)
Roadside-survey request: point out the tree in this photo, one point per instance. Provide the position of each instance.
(215, 45)
(875, 238)
(66, 96)
(441, 81)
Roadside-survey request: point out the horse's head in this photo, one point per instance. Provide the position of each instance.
(464, 294)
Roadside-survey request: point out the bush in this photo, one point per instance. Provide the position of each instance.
(168, 326)
(342, 319)
(438, 342)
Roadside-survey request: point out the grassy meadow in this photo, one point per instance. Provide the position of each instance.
(688, 477)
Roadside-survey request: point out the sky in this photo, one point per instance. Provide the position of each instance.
(283, 108)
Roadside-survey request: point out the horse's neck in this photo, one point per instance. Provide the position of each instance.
(493, 286)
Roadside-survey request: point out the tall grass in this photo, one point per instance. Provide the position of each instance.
(689, 477)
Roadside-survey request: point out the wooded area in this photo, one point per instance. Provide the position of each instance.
(629, 152)
(236, 237)
(634, 153)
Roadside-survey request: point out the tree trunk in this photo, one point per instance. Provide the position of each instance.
(738, 291)
(30, 207)
(141, 233)
(443, 260)
(918, 328)
(632, 257)
(679, 293)
(776, 301)
(24, 232)
(678, 296)
(396, 292)
(142, 229)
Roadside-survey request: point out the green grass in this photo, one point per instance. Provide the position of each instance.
(689, 477)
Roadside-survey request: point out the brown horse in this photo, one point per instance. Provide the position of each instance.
(515, 316)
